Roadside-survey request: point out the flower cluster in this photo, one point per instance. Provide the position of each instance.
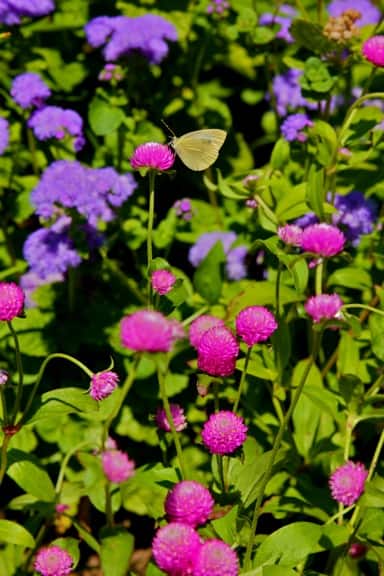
(373, 50)
(217, 351)
(55, 122)
(183, 208)
(122, 36)
(293, 127)
(224, 432)
(103, 384)
(149, 331)
(28, 90)
(235, 265)
(53, 561)
(11, 301)
(283, 17)
(189, 502)
(154, 156)
(12, 11)
(322, 239)
(178, 418)
(369, 13)
(287, 92)
(117, 466)
(4, 135)
(323, 307)
(162, 281)
(255, 324)
(347, 482)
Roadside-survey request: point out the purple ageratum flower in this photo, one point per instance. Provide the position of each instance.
(117, 466)
(293, 126)
(146, 34)
(219, 7)
(154, 156)
(287, 91)
(306, 220)
(216, 558)
(283, 16)
(53, 561)
(183, 208)
(175, 548)
(103, 384)
(12, 11)
(373, 50)
(356, 215)
(235, 266)
(29, 90)
(370, 14)
(322, 239)
(189, 502)
(323, 307)
(4, 135)
(224, 432)
(50, 251)
(55, 122)
(178, 418)
(347, 482)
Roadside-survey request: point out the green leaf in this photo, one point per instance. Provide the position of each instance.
(71, 545)
(207, 278)
(226, 527)
(315, 191)
(310, 36)
(351, 277)
(116, 551)
(376, 326)
(306, 416)
(326, 143)
(30, 476)
(13, 533)
(280, 154)
(63, 401)
(103, 118)
(316, 81)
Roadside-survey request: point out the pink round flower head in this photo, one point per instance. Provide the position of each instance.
(216, 558)
(255, 324)
(323, 306)
(189, 502)
(200, 326)
(347, 482)
(103, 384)
(117, 466)
(162, 281)
(11, 301)
(373, 50)
(175, 548)
(357, 550)
(53, 561)
(177, 417)
(4, 377)
(224, 432)
(148, 331)
(290, 234)
(154, 156)
(322, 239)
(217, 352)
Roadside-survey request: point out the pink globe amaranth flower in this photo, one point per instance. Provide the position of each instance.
(357, 550)
(255, 324)
(177, 416)
(103, 384)
(290, 234)
(175, 548)
(201, 325)
(60, 508)
(162, 281)
(323, 306)
(224, 432)
(217, 352)
(347, 482)
(323, 239)
(373, 50)
(189, 502)
(117, 466)
(154, 156)
(53, 561)
(216, 558)
(4, 377)
(11, 301)
(149, 331)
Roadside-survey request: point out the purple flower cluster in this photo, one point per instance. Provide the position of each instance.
(287, 91)
(293, 127)
(56, 122)
(283, 17)
(93, 192)
(29, 90)
(122, 35)
(12, 11)
(370, 14)
(235, 266)
(4, 135)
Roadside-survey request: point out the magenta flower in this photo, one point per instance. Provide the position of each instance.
(255, 324)
(373, 50)
(323, 306)
(201, 325)
(290, 234)
(11, 301)
(103, 384)
(178, 418)
(162, 281)
(175, 548)
(217, 352)
(322, 239)
(4, 377)
(53, 561)
(154, 156)
(224, 432)
(149, 331)
(347, 482)
(189, 502)
(216, 558)
(117, 466)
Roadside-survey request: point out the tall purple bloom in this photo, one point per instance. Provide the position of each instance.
(287, 91)
(235, 265)
(356, 215)
(29, 90)
(12, 11)
(4, 134)
(122, 35)
(293, 127)
(370, 14)
(283, 16)
(56, 122)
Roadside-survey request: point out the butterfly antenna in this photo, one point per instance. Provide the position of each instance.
(168, 128)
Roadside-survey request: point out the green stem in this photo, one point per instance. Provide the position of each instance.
(64, 464)
(41, 374)
(276, 445)
(242, 379)
(4, 406)
(268, 212)
(19, 365)
(351, 113)
(195, 315)
(151, 216)
(220, 467)
(365, 307)
(319, 278)
(4, 458)
(375, 387)
(108, 505)
(168, 413)
(32, 149)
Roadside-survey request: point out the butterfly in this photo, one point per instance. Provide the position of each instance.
(199, 149)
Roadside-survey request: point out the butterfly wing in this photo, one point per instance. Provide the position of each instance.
(199, 149)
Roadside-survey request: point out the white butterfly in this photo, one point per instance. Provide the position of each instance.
(199, 149)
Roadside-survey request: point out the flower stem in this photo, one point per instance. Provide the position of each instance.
(19, 365)
(275, 448)
(64, 464)
(365, 307)
(4, 459)
(151, 215)
(242, 379)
